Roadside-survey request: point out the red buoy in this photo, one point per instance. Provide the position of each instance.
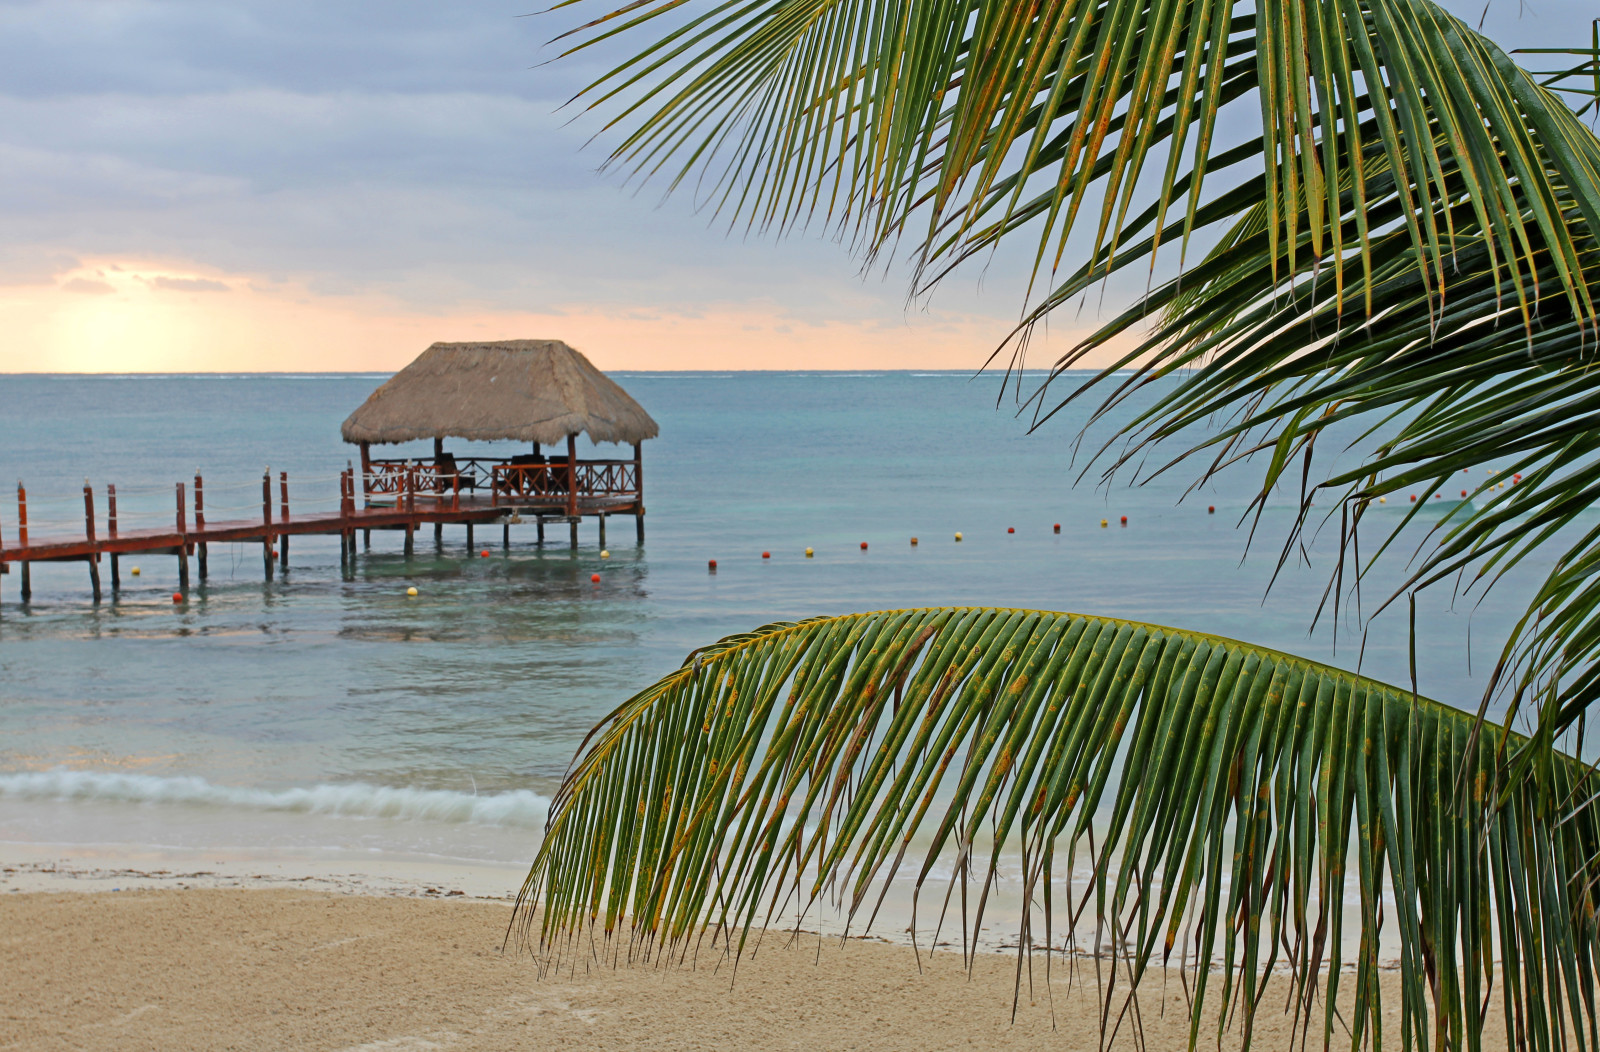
(712, 565)
(1124, 520)
(1438, 496)
(177, 597)
(1463, 493)
(484, 553)
(766, 555)
(1211, 509)
(1413, 498)
(863, 545)
(1058, 527)
(595, 578)
(1011, 529)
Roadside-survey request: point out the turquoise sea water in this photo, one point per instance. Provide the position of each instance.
(315, 713)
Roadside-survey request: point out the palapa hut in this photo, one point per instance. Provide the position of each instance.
(537, 391)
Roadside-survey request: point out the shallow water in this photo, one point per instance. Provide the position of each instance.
(320, 713)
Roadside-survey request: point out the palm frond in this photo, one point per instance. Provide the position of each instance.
(1441, 393)
(985, 115)
(1223, 796)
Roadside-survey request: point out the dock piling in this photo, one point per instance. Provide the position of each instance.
(602, 530)
(540, 520)
(283, 539)
(200, 524)
(88, 529)
(183, 543)
(638, 487)
(572, 525)
(22, 540)
(266, 521)
(111, 534)
(411, 507)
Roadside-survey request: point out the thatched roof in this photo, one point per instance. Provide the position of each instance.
(527, 390)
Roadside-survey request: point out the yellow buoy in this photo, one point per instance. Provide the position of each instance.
(136, 571)
(411, 591)
(1102, 524)
(605, 555)
(958, 536)
(808, 553)
(1383, 500)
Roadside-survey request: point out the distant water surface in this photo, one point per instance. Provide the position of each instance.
(315, 712)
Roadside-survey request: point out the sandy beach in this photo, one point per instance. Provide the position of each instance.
(271, 968)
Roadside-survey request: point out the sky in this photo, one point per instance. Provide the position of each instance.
(312, 186)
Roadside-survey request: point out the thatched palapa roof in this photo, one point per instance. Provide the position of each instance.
(526, 390)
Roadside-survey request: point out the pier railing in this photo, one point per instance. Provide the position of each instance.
(506, 480)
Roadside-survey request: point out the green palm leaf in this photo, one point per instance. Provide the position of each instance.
(988, 115)
(1224, 795)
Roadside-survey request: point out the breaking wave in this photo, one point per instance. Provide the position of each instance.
(520, 808)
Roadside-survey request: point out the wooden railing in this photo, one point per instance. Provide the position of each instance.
(596, 478)
(506, 480)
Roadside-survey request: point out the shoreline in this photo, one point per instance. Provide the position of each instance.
(260, 968)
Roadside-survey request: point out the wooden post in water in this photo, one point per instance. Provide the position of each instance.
(183, 544)
(538, 519)
(283, 517)
(200, 523)
(88, 528)
(366, 476)
(411, 506)
(602, 530)
(111, 533)
(22, 539)
(638, 485)
(344, 519)
(572, 479)
(266, 521)
(572, 487)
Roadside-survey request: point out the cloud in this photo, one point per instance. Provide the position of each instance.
(188, 284)
(418, 161)
(88, 285)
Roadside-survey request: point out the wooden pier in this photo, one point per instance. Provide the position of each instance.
(386, 495)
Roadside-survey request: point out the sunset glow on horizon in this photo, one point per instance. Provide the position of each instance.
(140, 316)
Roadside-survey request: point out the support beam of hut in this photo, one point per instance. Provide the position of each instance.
(638, 488)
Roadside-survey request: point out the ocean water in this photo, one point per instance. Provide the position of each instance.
(316, 715)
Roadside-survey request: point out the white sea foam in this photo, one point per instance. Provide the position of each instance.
(520, 808)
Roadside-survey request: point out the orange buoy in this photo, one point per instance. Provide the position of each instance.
(1413, 498)
(766, 555)
(484, 553)
(1011, 529)
(1124, 520)
(1058, 527)
(1211, 509)
(863, 545)
(1463, 493)
(711, 565)
(595, 578)
(177, 597)
(913, 542)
